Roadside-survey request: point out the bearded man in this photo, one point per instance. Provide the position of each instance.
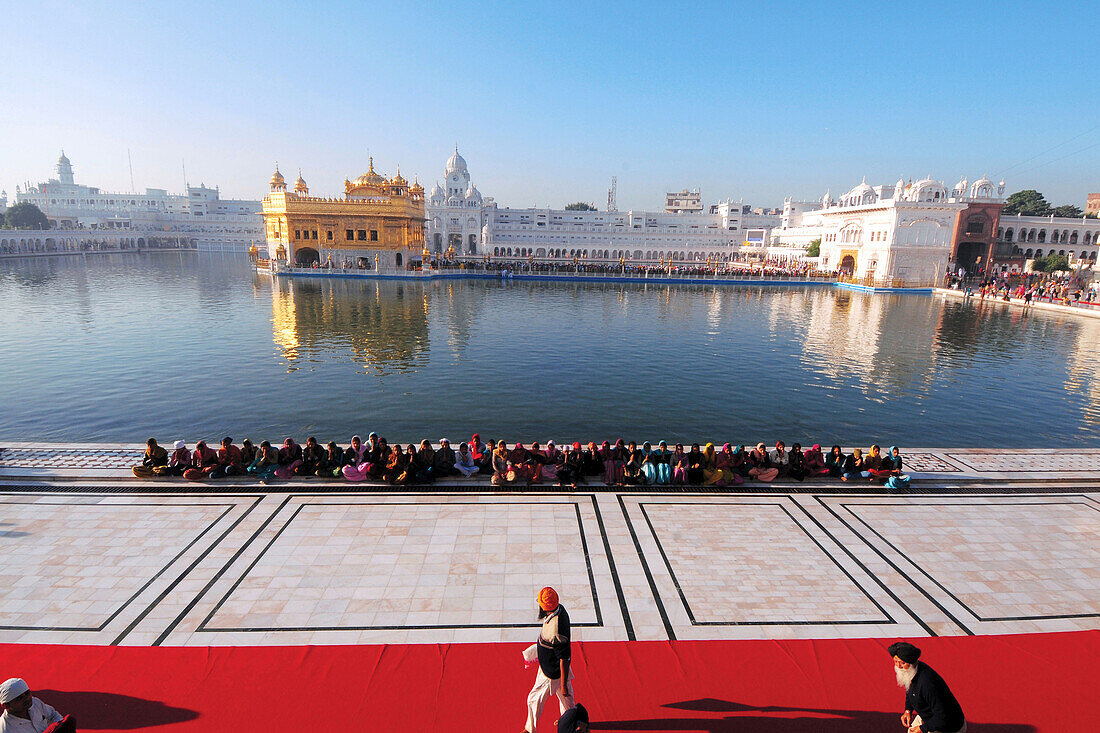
(929, 705)
(24, 713)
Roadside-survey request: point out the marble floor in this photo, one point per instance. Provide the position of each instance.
(96, 566)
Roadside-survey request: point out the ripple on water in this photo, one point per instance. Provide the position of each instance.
(119, 347)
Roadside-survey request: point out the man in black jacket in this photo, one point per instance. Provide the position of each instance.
(929, 705)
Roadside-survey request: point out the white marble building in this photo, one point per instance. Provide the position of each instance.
(886, 233)
(1039, 236)
(460, 217)
(201, 215)
(456, 211)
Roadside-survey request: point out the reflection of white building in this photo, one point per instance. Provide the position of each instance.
(865, 339)
(206, 218)
(881, 233)
(459, 217)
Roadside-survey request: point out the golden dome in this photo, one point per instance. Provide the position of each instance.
(277, 180)
(370, 177)
(300, 185)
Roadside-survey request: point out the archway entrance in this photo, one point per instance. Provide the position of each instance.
(848, 265)
(971, 257)
(306, 257)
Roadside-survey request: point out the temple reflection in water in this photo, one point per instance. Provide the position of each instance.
(382, 326)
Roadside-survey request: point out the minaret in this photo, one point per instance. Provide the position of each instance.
(65, 169)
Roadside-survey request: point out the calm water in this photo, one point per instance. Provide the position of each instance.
(118, 347)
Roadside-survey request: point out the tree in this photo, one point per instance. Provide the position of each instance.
(1050, 263)
(579, 206)
(814, 250)
(1027, 203)
(25, 216)
(1067, 210)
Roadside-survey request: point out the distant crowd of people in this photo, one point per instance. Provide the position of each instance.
(679, 268)
(1067, 290)
(615, 464)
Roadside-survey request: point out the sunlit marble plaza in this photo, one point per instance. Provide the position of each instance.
(986, 542)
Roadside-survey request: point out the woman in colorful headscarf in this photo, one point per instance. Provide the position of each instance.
(554, 459)
(267, 460)
(356, 467)
(762, 468)
(835, 461)
(889, 465)
(503, 473)
(726, 464)
(853, 466)
(664, 463)
(741, 463)
(712, 475)
(814, 462)
(895, 460)
(396, 464)
(571, 470)
(872, 465)
(680, 464)
(290, 458)
(650, 461)
(612, 462)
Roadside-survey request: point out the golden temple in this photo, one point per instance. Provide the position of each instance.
(378, 223)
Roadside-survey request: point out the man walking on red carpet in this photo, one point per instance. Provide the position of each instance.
(929, 705)
(553, 655)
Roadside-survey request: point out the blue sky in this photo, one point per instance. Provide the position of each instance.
(548, 101)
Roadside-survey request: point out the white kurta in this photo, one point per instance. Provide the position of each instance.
(42, 716)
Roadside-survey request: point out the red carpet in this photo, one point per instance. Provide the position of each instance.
(1006, 684)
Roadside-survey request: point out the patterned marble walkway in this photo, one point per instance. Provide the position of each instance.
(301, 566)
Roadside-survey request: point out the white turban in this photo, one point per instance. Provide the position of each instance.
(12, 689)
(180, 444)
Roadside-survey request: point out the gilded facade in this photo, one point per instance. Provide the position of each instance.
(378, 223)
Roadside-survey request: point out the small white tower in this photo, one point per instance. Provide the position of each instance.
(64, 170)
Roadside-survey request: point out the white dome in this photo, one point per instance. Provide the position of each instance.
(861, 194)
(982, 188)
(927, 190)
(437, 192)
(456, 163)
(472, 194)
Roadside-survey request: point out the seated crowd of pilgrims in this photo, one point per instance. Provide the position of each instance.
(617, 464)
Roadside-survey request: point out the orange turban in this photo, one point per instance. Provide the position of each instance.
(548, 599)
